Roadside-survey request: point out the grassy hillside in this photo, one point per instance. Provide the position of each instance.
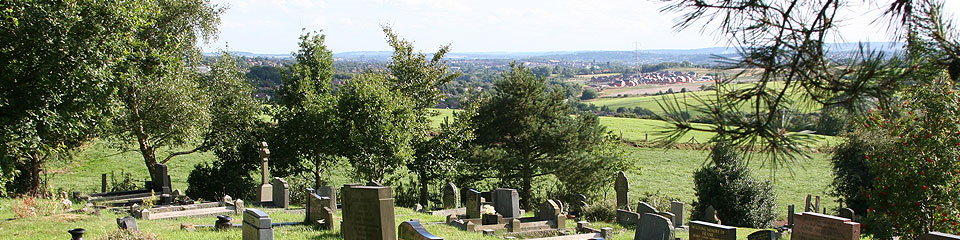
(690, 98)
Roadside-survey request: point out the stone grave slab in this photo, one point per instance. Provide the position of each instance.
(643, 208)
(507, 202)
(472, 203)
(257, 225)
(700, 230)
(412, 230)
(548, 211)
(451, 196)
(281, 193)
(677, 208)
(330, 192)
(764, 235)
(710, 215)
(654, 227)
(368, 213)
(846, 213)
(627, 218)
(128, 223)
(622, 186)
(811, 225)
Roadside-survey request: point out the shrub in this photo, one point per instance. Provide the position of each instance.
(122, 182)
(124, 234)
(35, 206)
(852, 174)
(212, 181)
(601, 211)
(740, 200)
(588, 94)
(657, 200)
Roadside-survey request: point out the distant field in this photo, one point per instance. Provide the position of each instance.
(690, 98)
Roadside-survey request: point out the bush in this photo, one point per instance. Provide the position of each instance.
(852, 175)
(212, 181)
(600, 211)
(588, 94)
(740, 200)
(122, 182)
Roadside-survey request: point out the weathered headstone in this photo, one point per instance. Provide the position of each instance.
(265, 195)
(677, 208)
(281, 193)
(622, 186)
(507, 202)
(810, 225)
(451, 196)
(710, 215)
(654, 227)
(627, 218)
(238, 206)
(667, 215)
(790, 211)
(103, 182)
(846, 213)
(643, 208)
(939, 236)
(548, 211)
(330, 192)
(472, 197)
(257, 225)
(816, 205)
(319, 213)
(700, 230)
(412, 230)
(764, 235)
(128, 223)
(368, 213)
(808, 207)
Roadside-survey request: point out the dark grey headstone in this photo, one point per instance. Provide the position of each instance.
(816, 204)
(790, 211)
(472, 198)
(281, 193)
(548, 211)
(507, 202)
(319, 213)
(450, 196)
(627, 218)
(808, 207)
(710, 215)
(643, 208)
(654, 227)
(846, 213)
(700, 230)
(257, 225)
(622, 186)
(412, 230)
(677, 208)
(128, 223)
(368, 213)
(764, 235)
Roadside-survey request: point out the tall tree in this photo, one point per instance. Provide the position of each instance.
(305, 112)
(528, 132)
(419, 78)
(164, 108)
(55, 83)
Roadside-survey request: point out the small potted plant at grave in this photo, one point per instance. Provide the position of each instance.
(490, 216)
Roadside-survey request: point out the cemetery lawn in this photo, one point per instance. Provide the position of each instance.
(667, 173)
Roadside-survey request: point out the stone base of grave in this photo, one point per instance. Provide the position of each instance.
(587, 236)
(447, 212)
(193, 210)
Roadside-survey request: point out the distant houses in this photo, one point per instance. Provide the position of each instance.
(661, 77)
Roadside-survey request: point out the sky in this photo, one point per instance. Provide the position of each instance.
(273, 26)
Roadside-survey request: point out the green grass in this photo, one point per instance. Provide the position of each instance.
(690, 99)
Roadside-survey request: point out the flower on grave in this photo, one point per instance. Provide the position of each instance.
(487, 210)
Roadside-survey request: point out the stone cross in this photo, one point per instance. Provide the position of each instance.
(266, 190)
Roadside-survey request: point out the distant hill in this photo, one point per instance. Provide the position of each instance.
(697, 56)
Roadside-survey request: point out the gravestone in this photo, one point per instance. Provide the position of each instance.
(627, 218)
(472, 198)
(790, 212)
(654, 227)
(450, 196)
(622, 186)
(808, 207)
(412, 230)
(318, 211)
(330, 192)
(281, 193)
(811, 225)
(710, 215)
(368, 213)
(816, 205)
(643, 208)
(265, 195)
(507, 202)
(548, 211)
(846, 213)
(257, 225)
(764, 235)
(128, 223)
(939, 236)
(700, 230)
(677, 208)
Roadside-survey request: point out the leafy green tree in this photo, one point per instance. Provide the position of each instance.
(588, 94)
(55, 84)
(527, 132)
(739, 198)
(306, 112)
(375, 125)
(420, 79)
(163, 105)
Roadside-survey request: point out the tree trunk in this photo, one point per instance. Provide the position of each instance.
(526, 189)
(143, 140)
(424, 192)
(34, 175)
